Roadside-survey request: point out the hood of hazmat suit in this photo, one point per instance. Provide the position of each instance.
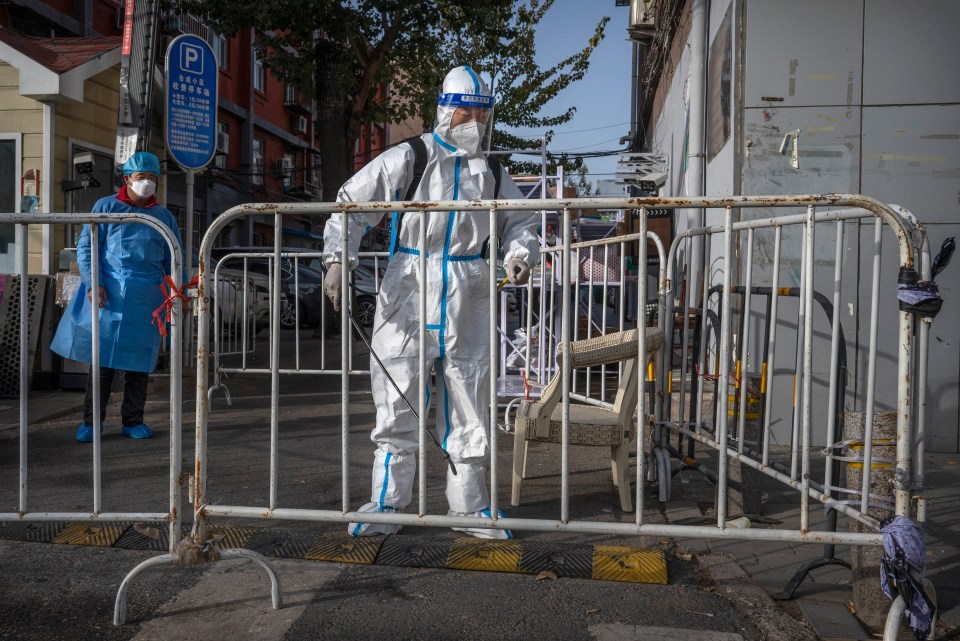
(465, 112)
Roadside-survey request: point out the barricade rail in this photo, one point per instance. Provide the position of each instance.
(555, 325)
(694, 425)
(906, 250)
(23, 511)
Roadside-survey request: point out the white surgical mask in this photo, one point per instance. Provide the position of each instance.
(144, 188)
(469, 136)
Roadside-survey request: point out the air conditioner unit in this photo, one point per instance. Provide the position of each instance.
(299, 124)
(223, 142)
(642, 26)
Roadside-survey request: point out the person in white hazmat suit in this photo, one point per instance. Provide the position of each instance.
(456, 340)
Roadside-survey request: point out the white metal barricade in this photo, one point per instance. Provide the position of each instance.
(96, 514)
(907, 360)
(237, 337)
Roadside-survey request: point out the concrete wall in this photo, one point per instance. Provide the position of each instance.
(877, 117)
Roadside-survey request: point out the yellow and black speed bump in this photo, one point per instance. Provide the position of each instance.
(616, 563)
(98, 534)
(608, 563)
(278, 543)
(37, 532)
(484, 554)
(343, 548)
(563, 559)
(145, 536)
(415, 551)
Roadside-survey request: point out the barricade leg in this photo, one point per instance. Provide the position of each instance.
(120, 605)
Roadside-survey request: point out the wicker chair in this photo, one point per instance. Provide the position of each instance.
(589, 425)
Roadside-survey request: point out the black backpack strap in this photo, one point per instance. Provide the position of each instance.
(419, 164)
(494, 164)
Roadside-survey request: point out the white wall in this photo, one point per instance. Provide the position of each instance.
(875, 119)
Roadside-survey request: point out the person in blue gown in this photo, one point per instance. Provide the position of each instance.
(133, 259)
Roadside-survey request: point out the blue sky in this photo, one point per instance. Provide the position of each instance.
(602, 97)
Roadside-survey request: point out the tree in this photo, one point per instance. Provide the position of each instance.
(341, 51)
(503, 47)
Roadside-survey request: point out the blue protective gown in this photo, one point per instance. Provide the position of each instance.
(133, 260)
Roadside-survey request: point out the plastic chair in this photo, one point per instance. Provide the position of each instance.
(590, 425)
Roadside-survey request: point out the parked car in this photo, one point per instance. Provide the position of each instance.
(305, 287)
(366, 281)
(228, 297)
(310, 297)
(230, 300)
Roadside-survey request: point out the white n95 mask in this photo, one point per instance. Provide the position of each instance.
(144, 188)
(469, 137)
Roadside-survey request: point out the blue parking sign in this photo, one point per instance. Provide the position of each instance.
(190, 128)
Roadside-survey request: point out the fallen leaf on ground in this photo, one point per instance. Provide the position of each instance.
(593, 610)
(851, 607)
(546, 574)
(146, 530)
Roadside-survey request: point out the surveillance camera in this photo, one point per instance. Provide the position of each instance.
(653, 182)
(83, 163)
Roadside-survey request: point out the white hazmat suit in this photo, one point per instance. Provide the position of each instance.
(457, 303)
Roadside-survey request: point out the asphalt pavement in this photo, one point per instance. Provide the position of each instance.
(715, 590)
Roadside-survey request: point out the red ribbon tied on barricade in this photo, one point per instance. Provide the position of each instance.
(164, 314)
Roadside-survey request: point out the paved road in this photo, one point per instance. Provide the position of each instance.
(66, 592)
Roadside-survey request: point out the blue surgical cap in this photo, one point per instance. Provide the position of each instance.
(142, 161)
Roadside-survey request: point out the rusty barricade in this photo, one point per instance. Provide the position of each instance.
(656, 418)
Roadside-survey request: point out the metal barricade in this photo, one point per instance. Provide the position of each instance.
(722, 438)
(237, 336)
(96, 513)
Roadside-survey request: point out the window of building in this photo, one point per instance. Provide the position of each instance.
(259, 74)
(223, 145)
(258, 148)
(221, 49)
(9, 181)
(287, 165)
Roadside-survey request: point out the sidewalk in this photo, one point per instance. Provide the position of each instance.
(823, 596)
(41, 407)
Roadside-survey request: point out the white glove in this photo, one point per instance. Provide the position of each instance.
(331, 284)
(518, 272)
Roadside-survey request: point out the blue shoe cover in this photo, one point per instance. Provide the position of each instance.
(85, 433)
(137, 431)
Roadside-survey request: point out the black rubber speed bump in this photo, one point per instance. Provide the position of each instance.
(343, 548)
(616, 563)
(228, 537)
(281, 544)
(484, 554)
(415, 551)
(563, 559)
(145, 536)
(37, 531)
(101, 535)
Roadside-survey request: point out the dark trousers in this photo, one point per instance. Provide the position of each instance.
(134, 396)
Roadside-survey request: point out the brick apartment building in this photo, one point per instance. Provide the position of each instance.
(59, 79)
